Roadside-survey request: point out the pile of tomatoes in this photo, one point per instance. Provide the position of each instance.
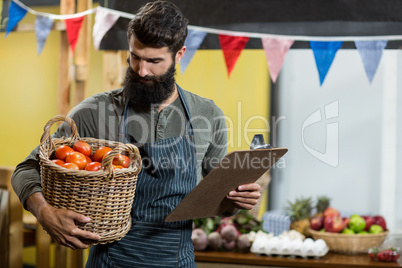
(80, 157)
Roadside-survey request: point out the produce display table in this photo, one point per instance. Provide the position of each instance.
(217, 259)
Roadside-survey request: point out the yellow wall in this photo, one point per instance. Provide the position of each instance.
(28, 88)
(243, 97)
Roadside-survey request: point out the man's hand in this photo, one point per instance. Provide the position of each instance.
(245, 196)
(60, 223)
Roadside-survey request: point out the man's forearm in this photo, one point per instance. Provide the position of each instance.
(35, 203)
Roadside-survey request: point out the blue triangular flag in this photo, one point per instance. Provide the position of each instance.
(15, 14)
(42, 30)
(371, 53)
(324, 54)
(193, 42)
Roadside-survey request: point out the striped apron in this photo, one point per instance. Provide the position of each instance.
(168, 175)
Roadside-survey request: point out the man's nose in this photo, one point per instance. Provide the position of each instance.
(143, 69)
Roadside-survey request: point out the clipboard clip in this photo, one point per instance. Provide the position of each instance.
(259, 143)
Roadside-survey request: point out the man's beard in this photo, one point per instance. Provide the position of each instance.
(143, 95)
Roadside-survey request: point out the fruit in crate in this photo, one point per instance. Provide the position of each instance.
(81, 156)
(321, 205)
(317, 222)
(347, 231)
(77, 158)
(380, 221)
(331, 211)
(82, 147)
(333, 224)
(357, 223)
(369, 221)
(375, 229)
(299, 212)
(63, 151)
(100, 153)
(384, 254)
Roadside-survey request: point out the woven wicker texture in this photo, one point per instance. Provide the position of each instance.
(350, 244)
(106, 196)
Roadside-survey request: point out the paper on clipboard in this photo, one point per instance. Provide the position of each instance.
(208, 198)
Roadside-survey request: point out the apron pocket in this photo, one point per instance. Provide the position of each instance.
(146, 245)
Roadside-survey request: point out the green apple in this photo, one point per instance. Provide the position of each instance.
(357, 223)
(348, 231)
(375, 229)
(363, 232)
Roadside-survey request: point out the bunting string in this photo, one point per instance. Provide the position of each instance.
(232, 42)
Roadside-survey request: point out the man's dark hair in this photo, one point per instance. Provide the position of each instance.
(159, 24)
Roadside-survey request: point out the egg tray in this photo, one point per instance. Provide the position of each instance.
(293, 248)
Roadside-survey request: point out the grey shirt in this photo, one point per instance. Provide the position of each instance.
(100, 117)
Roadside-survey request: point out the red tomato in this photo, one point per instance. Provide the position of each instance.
(63, 151)
(98, 155)
(121, 160)
(82, 147)
(93, 166)
(78, 159)
(58, 162)
(71, 166)
(106, 154)
(117, 166)
(89, 160)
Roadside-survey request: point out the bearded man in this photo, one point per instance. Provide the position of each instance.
(162, 119)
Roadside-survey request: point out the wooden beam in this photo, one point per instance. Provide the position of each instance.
(43, 241)
(111, 70)
(66, 7)
(82, 53)
(15, 219)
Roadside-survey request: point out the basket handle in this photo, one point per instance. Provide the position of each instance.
(46, 134)
(133, 152)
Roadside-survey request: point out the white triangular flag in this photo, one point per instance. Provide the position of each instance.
(104, 20)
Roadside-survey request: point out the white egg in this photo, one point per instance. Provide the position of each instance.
(284, 246)
(295, 246)
(320, 248)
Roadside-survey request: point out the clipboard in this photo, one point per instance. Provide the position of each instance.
(208, 198)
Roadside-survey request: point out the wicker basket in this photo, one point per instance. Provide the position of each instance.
(106, 196)
(350, 243)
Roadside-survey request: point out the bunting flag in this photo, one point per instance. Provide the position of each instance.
(371, 53)
(324, 54)
(231, 42)
(193, 42)
(232, 47)
(73, 27)
(275, 51)
(43, 26)
(15, 14)
(104, 20)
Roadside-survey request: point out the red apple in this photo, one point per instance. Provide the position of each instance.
(346, 221)
(330, 211)
(369, 221)
(380, 221)
(317, 222)
(333, 224)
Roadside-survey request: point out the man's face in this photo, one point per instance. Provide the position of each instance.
(148, 61)
(149, 79)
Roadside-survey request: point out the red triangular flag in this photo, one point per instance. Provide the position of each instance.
(73, 27)
(232, 47)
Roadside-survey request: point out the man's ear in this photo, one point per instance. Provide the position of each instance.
(180, 54)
